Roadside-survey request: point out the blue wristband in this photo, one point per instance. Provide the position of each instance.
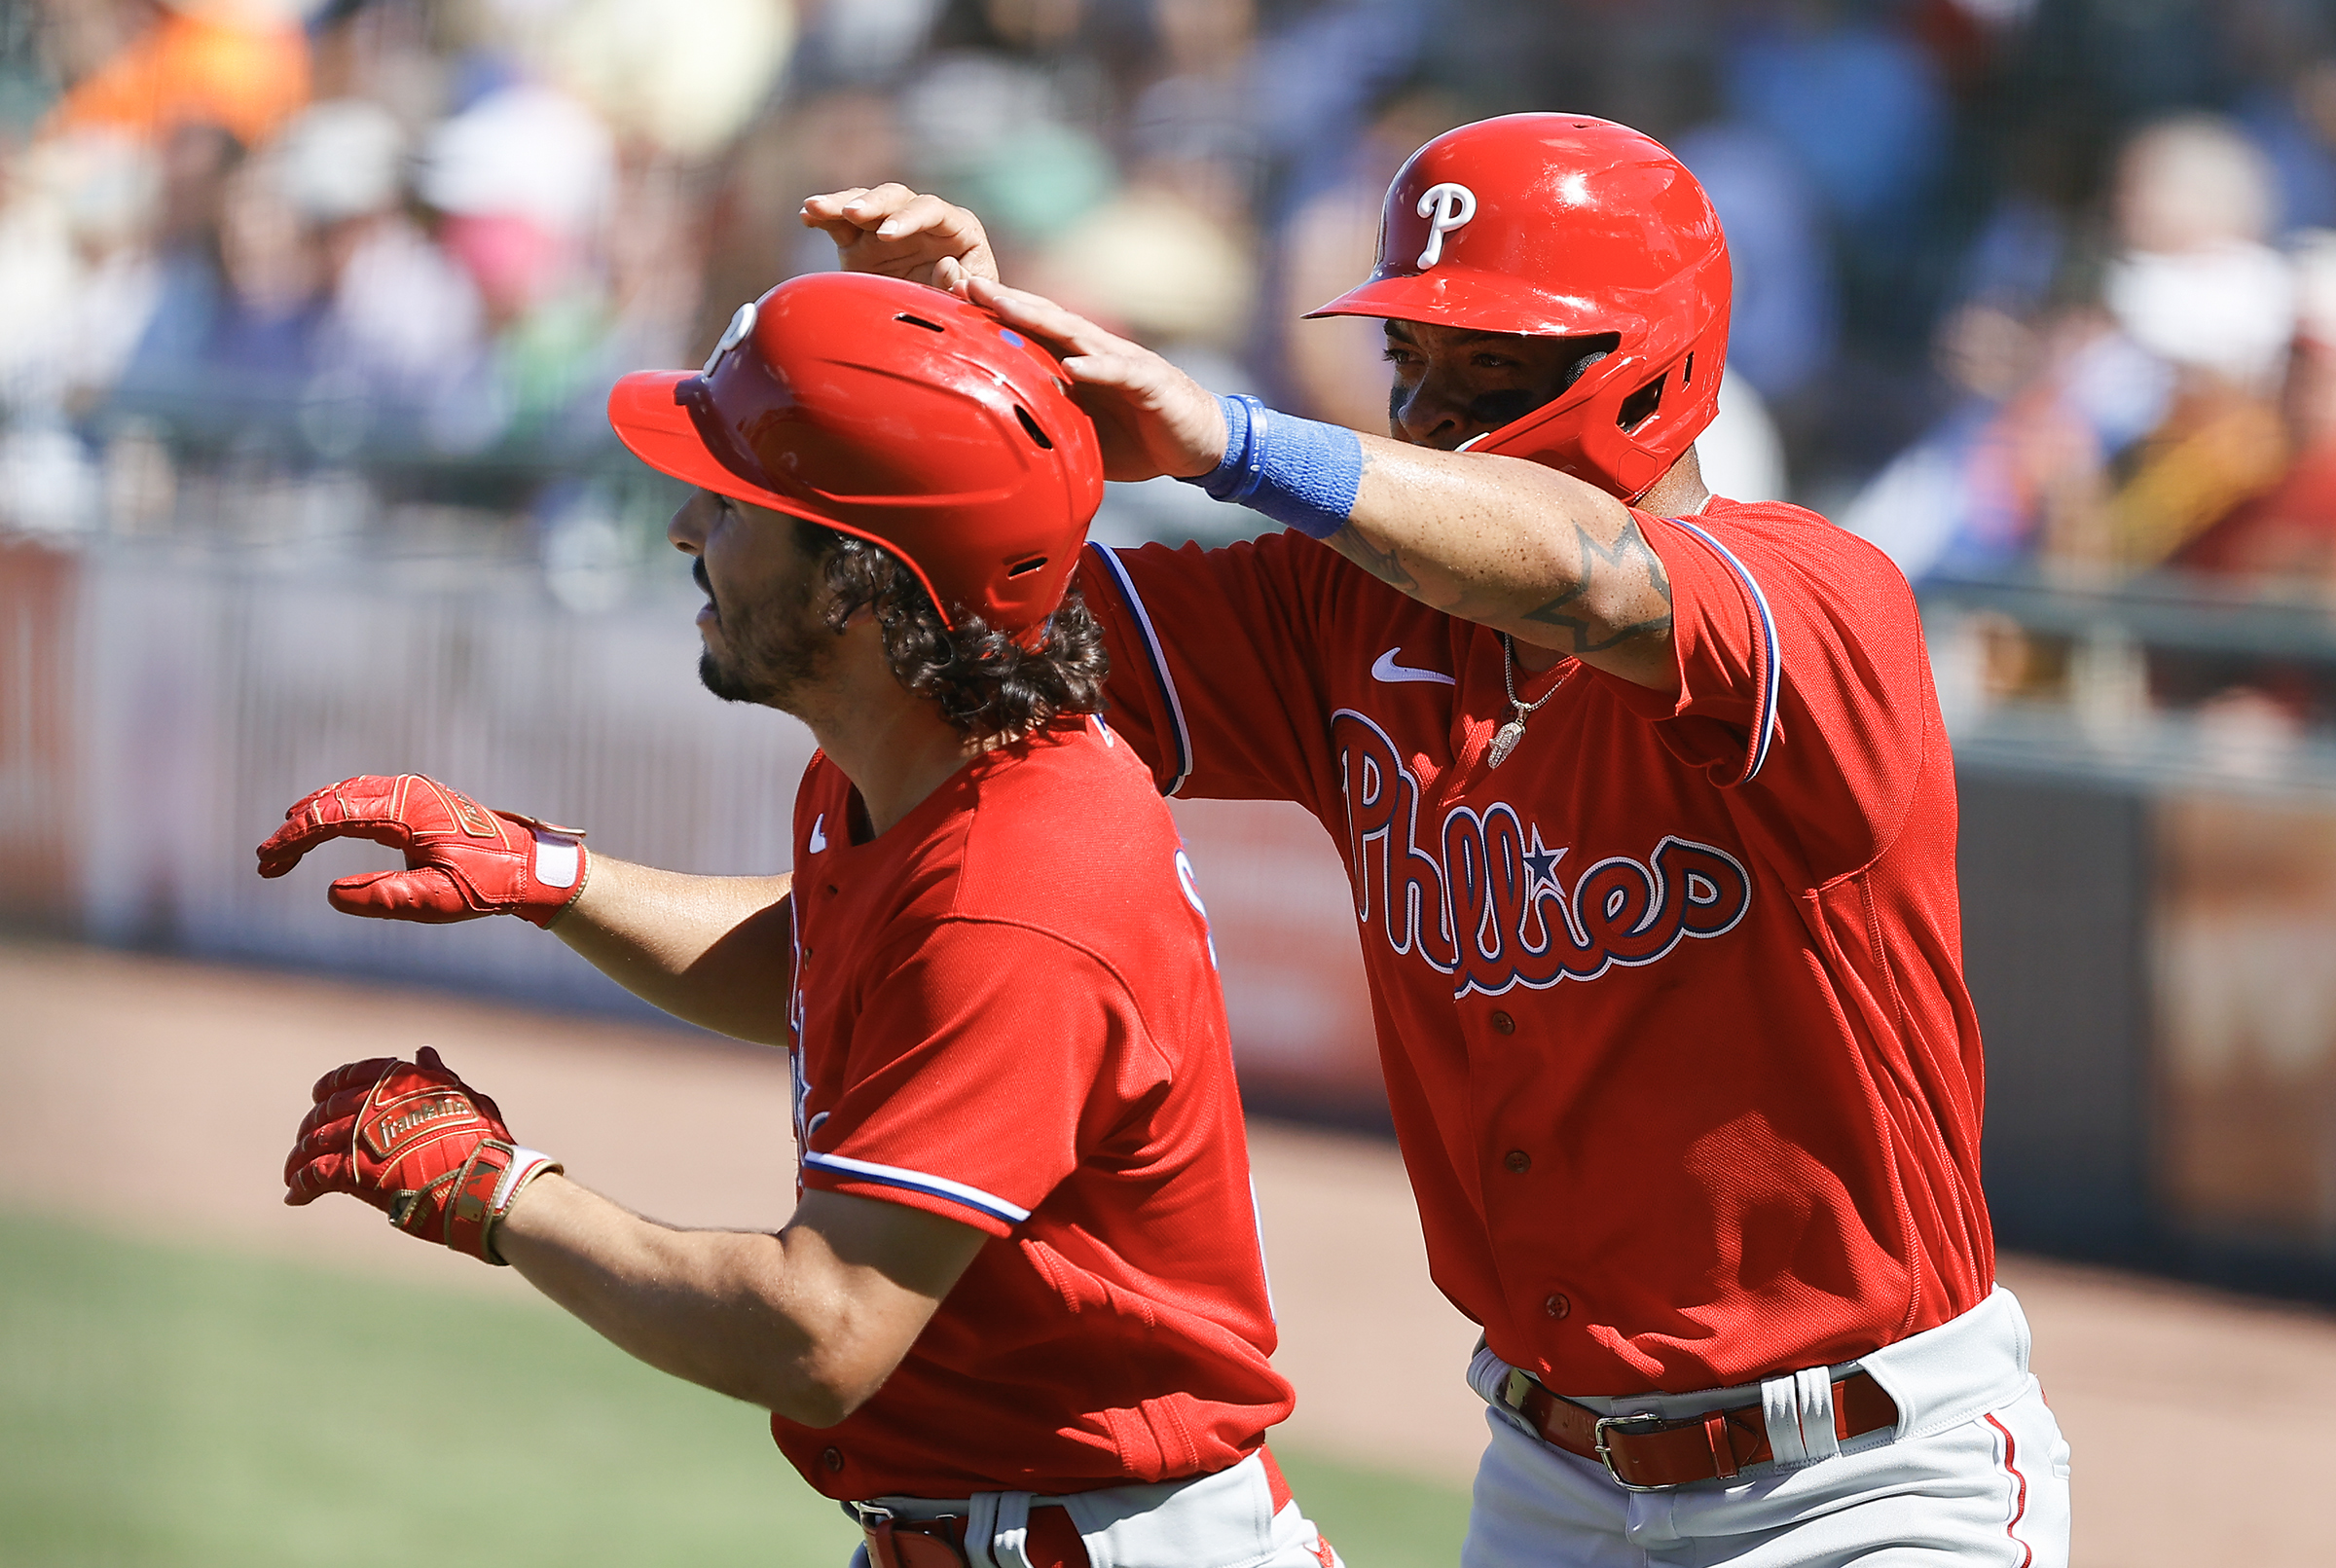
(1301, 473)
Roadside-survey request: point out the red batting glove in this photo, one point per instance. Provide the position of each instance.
(463, 860)
(417, 1143)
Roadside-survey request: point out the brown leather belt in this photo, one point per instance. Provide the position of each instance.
(1053, 1540)
(1648, 1453)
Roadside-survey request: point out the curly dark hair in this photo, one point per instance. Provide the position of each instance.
(988, 685)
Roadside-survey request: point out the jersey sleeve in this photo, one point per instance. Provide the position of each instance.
(1803, 678)
(974, 1072)
(1216, 662)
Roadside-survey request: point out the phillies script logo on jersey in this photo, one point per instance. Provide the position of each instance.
(1479, 895)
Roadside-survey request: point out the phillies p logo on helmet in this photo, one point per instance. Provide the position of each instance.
(1447, 206)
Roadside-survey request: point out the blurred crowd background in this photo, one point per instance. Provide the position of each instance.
(308, 308)
(2017, 281)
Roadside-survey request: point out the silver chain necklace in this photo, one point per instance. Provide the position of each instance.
(1505, 741)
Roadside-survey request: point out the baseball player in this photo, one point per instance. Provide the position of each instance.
(1019, 1318)
(1649, 822)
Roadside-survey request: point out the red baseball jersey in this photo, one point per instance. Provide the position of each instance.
(1670, 1002)
(1007, 1013)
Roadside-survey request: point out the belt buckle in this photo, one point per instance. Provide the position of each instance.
(1644, 1420)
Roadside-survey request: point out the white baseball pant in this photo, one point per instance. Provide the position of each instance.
(1975, 1473)
(1225, 1521)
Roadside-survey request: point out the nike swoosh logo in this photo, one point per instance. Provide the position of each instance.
(1387, 669)
(819, 833)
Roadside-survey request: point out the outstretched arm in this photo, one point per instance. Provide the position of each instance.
(716, 950)
(1510, 544)
(808, 1322)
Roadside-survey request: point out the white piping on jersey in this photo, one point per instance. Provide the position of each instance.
(1763, 716)
(1159, 665)
(818, 834)
(939, 1187)
(1385, 669)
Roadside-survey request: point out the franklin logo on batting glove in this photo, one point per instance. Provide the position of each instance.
(416, 1141)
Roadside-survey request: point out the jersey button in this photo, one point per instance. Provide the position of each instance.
(1503, 1024)
(1517, 1160)
(1554, 1304)
(833, 1458)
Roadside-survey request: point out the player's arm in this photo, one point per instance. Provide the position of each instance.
(1510, 544)
(1507, 543)
(808, 1322)
(717, 951)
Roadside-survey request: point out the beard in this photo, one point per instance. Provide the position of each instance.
(773, 654)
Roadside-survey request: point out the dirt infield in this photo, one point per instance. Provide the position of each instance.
(160, 1097)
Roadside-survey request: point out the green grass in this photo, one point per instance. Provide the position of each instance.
(1376, 1519)
(171, 1406)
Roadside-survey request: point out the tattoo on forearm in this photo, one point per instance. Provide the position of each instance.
(1384, 564)
(1628, 556)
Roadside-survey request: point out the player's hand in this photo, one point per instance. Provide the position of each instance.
(419, 1144)
(1151, 418)
(894, 231)
(463, 860)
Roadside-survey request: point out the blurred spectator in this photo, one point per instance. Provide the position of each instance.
(1001, 115)
(494, 206)
(2293, 119)
(402, 320)
(1324, 68)
(239, 64)
(2120, 63)
(2196, 285)
(77, 282)
(2108, 434)
(2037, 225)
(683, 79)
(1161, 262)
(833, 141)
(1170, 258)
(2289, 532)
(1336, 366)
(1201, 111)
(865, 43)
(1858, 104)
(521, 180)
(1782, 333)
(77, 275)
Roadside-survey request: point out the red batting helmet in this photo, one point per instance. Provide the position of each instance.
(1565, 225)
(897, 413)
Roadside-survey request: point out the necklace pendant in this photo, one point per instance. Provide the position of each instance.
(1505, 742)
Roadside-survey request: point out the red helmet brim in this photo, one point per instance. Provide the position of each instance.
(655, 426)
